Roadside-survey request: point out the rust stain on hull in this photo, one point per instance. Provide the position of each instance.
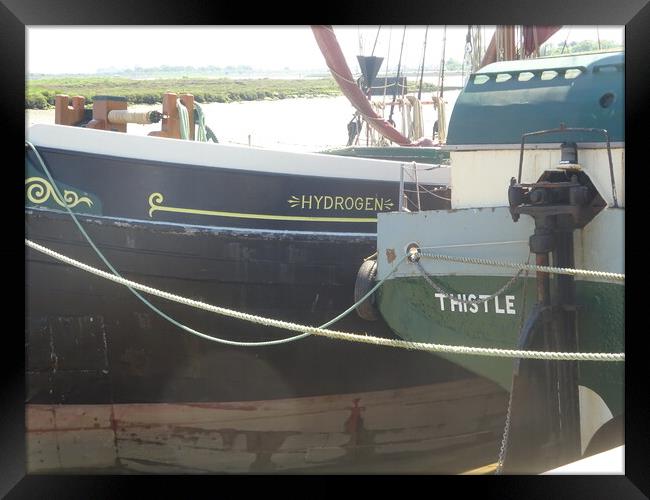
(265, 436)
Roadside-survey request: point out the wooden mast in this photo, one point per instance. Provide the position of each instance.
(534, 36)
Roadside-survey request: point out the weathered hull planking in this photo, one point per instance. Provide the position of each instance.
(112, 386)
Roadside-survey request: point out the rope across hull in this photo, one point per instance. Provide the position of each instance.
(93, 349)
(112, 386)
(471, 286)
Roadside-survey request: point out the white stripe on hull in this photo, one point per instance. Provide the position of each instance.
(223, 155)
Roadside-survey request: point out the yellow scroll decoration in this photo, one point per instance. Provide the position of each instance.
(39, 191)
(156, 199)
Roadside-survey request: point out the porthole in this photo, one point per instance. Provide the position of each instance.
(572, 73)
(606, 100)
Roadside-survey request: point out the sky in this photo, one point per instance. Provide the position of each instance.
(89, 49)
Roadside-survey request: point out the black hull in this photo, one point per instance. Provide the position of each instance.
(155, 191)
(92, 341)
(112, 385)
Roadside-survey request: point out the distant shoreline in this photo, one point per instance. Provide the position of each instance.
(40, 92)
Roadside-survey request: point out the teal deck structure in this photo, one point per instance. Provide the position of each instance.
(506, 99)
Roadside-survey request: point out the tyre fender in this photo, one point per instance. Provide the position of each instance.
(364, 282)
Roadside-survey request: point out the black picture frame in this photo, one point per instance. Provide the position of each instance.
(15, 15)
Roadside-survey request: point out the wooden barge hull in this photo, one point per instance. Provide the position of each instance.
(438, 428)
(111, 386)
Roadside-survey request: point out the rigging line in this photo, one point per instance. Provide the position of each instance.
(487, 243)
(251, 318)
(153, 307)
(441, 76)
(351, 337)
(468, 45)
(376, 38)
(390, 37)
(566, 40)
(359, 40)
(424, 52)
(399, 65)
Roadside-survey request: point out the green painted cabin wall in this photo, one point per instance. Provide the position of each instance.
(500, 112)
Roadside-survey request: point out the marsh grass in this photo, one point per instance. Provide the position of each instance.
(40, 93)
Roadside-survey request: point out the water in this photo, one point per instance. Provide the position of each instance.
(300, 124)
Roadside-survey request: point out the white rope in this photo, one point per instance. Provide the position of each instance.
(528, 267)
(480, 351)
(123, 116)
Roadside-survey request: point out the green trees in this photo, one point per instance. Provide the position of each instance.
(550, 49)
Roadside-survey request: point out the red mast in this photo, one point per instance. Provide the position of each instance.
(335, 60)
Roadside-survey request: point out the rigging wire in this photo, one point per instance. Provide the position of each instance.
(390, 37)
(138, 294)
(566, 40)
(424, 53)
(360, 39)
(441, 75)
(376, 38)
(468, 51)
(399, 65)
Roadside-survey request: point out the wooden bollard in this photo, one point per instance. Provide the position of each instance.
(102, 105)
(171, 124)
(64, 114)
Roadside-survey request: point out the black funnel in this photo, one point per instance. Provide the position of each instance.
(369, 68)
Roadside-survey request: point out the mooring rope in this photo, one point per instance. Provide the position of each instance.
(306, 330)
(143, 299)
(421, 346)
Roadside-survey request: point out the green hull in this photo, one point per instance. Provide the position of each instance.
(412, 310)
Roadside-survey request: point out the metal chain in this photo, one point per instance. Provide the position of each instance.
(503, 450)
(462, 301)
(504, 439)
(506, 429)
(530, 267)
(351, 337)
